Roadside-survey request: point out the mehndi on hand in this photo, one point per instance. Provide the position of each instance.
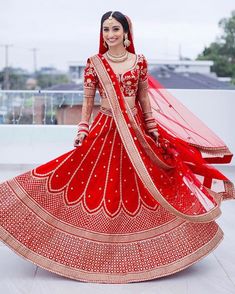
(83, 131)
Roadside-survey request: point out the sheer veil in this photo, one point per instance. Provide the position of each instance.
(177, 121)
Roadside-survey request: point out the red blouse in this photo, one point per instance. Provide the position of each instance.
(131, 81)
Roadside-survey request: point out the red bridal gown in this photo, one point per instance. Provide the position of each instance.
(86, 214)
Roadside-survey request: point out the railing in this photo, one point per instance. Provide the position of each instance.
(36, 107)
(30, 139)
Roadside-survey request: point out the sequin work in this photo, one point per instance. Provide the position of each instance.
(86, 215)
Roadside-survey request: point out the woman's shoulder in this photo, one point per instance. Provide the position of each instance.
(89, 67)
(141, 57)
(89, 63)
(89, 58)
(142, 61)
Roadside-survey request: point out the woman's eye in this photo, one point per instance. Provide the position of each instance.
(106, 30)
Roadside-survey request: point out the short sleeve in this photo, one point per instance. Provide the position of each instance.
(90, 77)
(143, 68)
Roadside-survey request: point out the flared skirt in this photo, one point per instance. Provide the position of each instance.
(86, 215)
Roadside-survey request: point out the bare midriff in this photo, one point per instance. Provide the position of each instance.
(129, 99)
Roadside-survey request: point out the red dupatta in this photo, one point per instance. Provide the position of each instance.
(147, 161)
(188, 140)
(179, 121)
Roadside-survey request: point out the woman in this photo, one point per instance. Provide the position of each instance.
(135, 199)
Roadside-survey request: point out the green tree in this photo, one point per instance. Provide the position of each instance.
(222, 51)
(16, 79)
(46, 81)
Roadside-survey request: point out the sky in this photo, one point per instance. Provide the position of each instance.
(64, 31)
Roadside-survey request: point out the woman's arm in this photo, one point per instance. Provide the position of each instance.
(144, 98)
(90, 85)
(87, 104)
(142, 94)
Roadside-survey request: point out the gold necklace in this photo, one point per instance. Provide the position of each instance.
(118, 58)
(122, 54)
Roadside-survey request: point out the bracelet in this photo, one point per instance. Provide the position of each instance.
(83, 127)
(149, 119)
(83, 123)
(83, 132)
(146, 112)
(151, 124)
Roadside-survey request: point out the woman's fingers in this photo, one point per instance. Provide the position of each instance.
(79, 139)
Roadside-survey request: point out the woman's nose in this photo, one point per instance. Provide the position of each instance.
(110, 34)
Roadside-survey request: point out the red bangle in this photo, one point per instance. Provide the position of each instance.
(83, 127)
(150, 124)
(86, 132)
(150, 119)
(83, 123)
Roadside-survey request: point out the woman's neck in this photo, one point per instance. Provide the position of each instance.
(118, 50)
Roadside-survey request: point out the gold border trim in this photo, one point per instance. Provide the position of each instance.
(132, 150)
(51, 220)
(86, 276)
(144, 143)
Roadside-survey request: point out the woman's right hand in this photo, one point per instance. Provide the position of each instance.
(79, 139)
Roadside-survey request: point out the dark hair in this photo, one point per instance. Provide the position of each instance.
(119, 17)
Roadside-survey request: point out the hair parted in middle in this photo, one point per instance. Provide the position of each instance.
(120, 17)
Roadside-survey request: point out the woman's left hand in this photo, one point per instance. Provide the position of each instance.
(155, 135)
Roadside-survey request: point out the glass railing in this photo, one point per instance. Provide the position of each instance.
(39, 106)
(37, 121)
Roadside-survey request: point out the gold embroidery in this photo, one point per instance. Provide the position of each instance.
(133, 153)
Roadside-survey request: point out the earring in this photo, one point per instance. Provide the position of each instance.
(126, 42)
(104, 43)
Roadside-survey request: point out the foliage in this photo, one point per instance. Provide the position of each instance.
(222, 51)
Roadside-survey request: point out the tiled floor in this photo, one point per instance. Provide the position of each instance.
(215, 274)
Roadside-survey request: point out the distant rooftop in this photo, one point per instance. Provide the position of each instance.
(66, 87)
(172, 74)
(180, 61)
(188, 80)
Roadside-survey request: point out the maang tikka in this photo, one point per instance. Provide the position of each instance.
(110, 22)
(111, 17)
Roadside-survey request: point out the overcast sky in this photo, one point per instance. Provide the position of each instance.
(68, 30)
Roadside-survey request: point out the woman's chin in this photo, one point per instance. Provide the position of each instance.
(114, 44)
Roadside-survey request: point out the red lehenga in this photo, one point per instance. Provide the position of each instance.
(121, 208)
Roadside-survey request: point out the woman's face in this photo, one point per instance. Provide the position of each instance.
(113, 32)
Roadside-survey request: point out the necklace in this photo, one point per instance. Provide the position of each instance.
(119, 55)
(118, 58)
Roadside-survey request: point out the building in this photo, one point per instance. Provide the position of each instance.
(172, 74)
(187, 74)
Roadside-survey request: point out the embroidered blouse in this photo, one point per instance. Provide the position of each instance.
(133, 82)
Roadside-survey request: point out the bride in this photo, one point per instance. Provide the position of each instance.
(134, 200)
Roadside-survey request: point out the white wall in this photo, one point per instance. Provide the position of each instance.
(33, 144)
(214, 107)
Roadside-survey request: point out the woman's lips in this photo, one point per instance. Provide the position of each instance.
(112, 40)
